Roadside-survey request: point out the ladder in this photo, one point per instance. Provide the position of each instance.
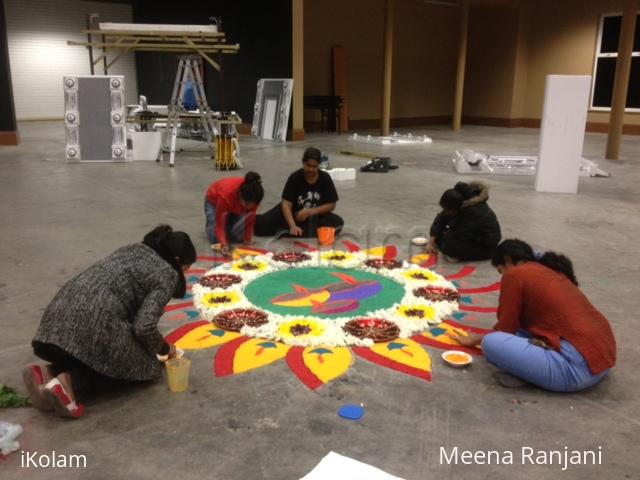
(189, 68)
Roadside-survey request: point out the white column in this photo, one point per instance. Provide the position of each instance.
(564, 117)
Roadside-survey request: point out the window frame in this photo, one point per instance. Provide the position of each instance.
(599, 55)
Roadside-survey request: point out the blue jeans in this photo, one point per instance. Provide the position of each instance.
(234, 227)
(563, 371)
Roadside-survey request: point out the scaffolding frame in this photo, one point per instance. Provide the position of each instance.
(195, 43)
(122, 38)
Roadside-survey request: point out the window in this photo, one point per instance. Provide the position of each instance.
(605, 65)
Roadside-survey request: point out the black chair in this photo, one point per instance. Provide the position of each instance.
(329, 106)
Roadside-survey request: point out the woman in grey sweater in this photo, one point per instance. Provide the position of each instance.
(100, 330)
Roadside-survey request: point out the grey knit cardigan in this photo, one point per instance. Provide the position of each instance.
(107, 316)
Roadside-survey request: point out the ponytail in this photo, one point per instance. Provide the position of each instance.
(175, 248)
(516, 251)
(251, 190)
(559, 263)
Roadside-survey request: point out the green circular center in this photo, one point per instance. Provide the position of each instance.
(323, 292)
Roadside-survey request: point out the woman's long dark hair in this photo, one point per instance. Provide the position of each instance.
(175, 248)
(518, 251)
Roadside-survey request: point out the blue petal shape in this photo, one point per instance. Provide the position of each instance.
(321, 351)
(192, 314)
(437, 331)
(459, 315)
(395, 346)
(466, 299)
(267, 345)
(192, 279)
(217, 332)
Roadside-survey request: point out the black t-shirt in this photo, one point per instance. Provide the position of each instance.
(304, 195)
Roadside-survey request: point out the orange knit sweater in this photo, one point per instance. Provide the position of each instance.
(546, 304)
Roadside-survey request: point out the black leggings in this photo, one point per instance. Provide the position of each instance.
(462, 250)
(84, 380)
(271, 222)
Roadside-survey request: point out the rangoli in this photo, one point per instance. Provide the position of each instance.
(317, 308)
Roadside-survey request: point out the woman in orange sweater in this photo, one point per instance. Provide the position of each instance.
(547, 333)
(230, 209)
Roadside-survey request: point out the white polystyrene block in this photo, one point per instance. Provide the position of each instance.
(146, 145)
(339, 174)
(350, 174)
(564, 117)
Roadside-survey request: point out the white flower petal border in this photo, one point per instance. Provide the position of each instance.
(333, 335)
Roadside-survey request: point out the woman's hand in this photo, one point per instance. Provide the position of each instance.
(296, 231)
(302, 215)
(471, 340)
(172, 353)
(225, 250)
(430, 248)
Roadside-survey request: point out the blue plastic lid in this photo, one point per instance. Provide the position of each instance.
(351, 412)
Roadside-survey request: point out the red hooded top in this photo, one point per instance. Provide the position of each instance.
(225, 196)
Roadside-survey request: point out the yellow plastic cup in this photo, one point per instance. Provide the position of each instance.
(178, 373)
(326, 236)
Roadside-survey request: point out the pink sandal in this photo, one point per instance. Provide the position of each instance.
(61, 401)
(33, 377)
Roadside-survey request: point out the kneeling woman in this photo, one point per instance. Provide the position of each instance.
(100, 330)
(467, 228)
(230, 210)
(547, 333)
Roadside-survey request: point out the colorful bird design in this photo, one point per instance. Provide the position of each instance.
(333, 298)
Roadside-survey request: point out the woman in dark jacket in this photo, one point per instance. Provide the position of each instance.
(467, 228)
(100, 330)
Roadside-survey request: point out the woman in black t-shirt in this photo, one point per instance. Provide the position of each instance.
(308, 200)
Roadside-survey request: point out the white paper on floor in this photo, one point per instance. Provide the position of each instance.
(338, 467)
(9, 433)
(393, 139)
(471, 162)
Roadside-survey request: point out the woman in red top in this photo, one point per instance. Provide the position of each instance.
(548, 333)
(230, 209)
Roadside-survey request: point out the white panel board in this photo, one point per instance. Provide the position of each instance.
(95, 118)
(157, 27)
(271, 105)
(564, 118)
(269, 123)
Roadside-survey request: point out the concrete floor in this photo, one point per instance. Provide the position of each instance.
(58, 218)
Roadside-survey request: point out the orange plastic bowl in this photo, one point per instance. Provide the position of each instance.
(457, 359)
